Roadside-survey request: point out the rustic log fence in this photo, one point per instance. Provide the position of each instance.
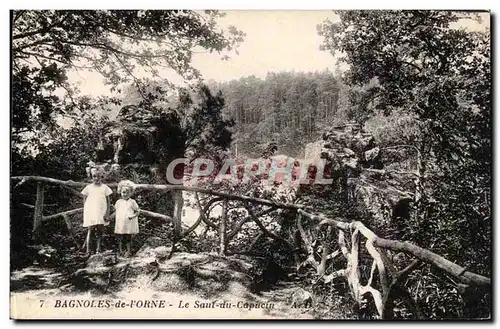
(389, 280)
(384, 283)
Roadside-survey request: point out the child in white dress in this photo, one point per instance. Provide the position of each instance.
(96, 208)
(126, 220)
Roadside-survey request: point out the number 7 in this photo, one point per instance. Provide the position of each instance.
(41, 303)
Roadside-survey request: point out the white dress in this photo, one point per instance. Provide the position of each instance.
(124, 210)
(95, 204)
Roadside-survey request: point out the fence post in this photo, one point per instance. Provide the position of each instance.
(178, 204)
(37, 216)
(354, 261)
(222, 228)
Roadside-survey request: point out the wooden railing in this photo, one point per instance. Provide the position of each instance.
(350, 235)
(384, 287)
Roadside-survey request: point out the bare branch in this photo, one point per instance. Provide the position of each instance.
(265, 231)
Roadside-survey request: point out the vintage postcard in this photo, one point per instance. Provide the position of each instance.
(190, 164)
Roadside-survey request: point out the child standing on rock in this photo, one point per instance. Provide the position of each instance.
(127, 213)
(96, 208)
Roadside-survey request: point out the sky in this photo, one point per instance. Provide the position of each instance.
(275, 41)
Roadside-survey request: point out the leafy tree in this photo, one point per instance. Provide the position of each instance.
(47, 44)
(194, 115)
(286, 108)
(419, 65)
(415, 61)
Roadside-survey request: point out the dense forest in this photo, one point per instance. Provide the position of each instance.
(406, 128)
(289, 109)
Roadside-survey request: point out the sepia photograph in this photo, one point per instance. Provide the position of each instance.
(251, 165)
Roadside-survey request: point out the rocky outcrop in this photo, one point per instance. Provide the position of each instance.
(203, 273)
(382, 197)
(349, 146)
(355, 160)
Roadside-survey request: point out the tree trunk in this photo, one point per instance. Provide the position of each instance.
(37, 216)
(419, 183)
(222, 229)
(177, 217)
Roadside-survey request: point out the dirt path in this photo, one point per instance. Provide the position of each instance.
(41, 294)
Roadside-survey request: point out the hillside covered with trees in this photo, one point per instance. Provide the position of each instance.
(287, 108)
